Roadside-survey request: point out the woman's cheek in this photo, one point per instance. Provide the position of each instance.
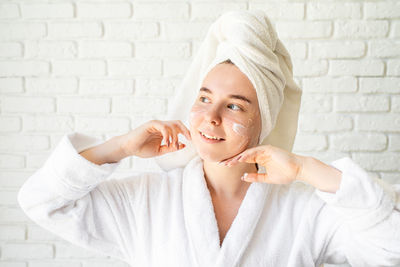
(242, 129)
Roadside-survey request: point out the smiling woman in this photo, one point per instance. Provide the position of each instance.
(210, 205)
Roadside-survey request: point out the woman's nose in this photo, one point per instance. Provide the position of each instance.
(213, 116)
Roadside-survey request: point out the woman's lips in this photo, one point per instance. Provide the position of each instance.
(211, 141)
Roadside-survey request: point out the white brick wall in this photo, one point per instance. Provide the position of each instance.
(103, 68)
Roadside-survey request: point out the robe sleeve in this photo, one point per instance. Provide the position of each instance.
(368, 210)
(72, 198)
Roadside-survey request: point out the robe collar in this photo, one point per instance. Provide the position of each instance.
(201, 223)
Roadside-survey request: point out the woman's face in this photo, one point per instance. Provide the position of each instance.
(227, 108)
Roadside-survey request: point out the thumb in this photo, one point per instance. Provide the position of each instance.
(254, 177)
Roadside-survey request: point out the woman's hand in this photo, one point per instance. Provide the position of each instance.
(145, 141)
(282, 167)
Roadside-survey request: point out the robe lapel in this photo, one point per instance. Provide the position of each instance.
(200, 221)
(201, 224)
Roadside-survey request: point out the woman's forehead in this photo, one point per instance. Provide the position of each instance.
(227, 79)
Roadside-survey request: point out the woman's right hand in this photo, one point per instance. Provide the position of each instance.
(145, 141)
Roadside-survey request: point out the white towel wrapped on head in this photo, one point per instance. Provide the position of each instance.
(250, 41)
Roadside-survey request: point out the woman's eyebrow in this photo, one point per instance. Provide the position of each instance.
(240, 97)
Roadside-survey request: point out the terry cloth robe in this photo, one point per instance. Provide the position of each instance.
(167, 218)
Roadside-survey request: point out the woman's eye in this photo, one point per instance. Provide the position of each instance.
(202, 97)
(233, 105)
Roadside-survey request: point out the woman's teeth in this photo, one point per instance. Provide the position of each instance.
(210, 137)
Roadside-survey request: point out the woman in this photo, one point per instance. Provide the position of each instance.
(235, 203)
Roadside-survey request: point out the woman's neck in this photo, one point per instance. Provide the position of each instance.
(225, 182)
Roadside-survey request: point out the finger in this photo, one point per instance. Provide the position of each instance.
(174, 130)
(164, 133)
(165, 149)
(255, 177)
(184, 130)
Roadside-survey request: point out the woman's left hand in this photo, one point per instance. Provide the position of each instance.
(282, 167)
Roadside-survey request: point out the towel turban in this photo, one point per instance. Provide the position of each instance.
(250, 41)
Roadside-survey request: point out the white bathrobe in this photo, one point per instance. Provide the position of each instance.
(167, 219)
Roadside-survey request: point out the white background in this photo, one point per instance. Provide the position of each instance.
(104, 67)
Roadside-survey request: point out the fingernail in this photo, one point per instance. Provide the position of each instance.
(244, 176)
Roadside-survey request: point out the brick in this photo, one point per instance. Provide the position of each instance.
(394, 142)
(12, 161)
(109, 263)
(50, 49)
(311, 103)
(11, 85)
(330, 84)
(101, 125)
(104, 10)
(35, 161)
(47, 10)
(325, 123)
(45, 123)
(382, 10)
(10, 124)
(378, 122)
(101, 49)
(9, 50)
(73, 30)
(188, 31)
(22, 30)
(10, 179)
(27, 104)
(55, 263)
(391, 177)
(139, 105)
(79, 67)
(24, 68)
(93, 105)
(357, 103)
(330, 11)
(374, 85)
(9, 11)
(395, 104)
(175, 67)
(337, 49)
(130, 30)
(289, 11)
(134, 67)
(309, 67)
(384, 48)
(161, 11)
(24, 143)
(356, 67)
(312, 142)
(12, 215)
(106, 86)
(12, 264)
(395, 29)
(67, 250)
(156, 87)
(297, 50)
(358, 142)
(393, 67)
(37, 233)
(162, 50)
(387, 161)
(212, 10)
(303, 29)
(31, 251)
(361, 28)
(51, 86)
(12, 232)
(8, 198)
